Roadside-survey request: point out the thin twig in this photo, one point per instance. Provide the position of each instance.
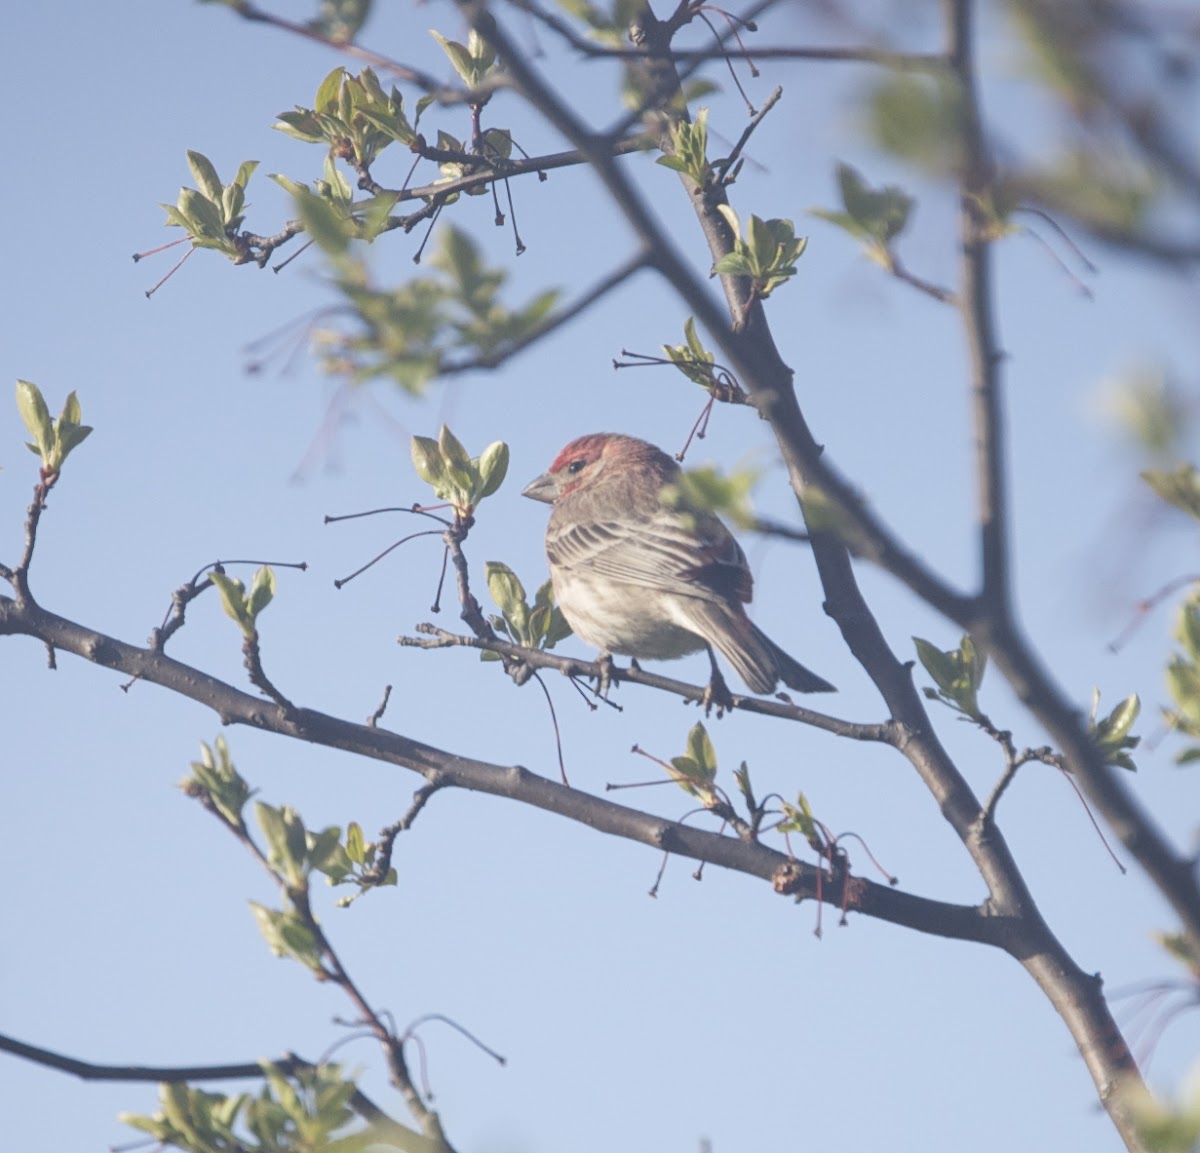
(374, 719)
(498, 356)
(728, 162)
(170, 1074)
(19, 576)
(329, 967)
(387, 837)
(424, 80)
(910, 61)
(900, 272)
(435, 638)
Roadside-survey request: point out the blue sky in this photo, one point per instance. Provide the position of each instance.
(628, 1023)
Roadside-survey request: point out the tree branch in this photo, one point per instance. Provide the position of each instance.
(885, 732)
(975, 181)
(910, 61)
(177, 1074)
(234, 706)
(864, 533)
(753, 355)
(493, 359)
(443, 93)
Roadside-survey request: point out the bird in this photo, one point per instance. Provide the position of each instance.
(647, 578)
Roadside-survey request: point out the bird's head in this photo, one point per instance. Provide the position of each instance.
(582, 462)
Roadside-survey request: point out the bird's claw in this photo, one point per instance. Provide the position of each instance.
(606, 679)
(716, 695)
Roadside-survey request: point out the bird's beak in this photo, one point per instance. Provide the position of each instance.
(542, 488)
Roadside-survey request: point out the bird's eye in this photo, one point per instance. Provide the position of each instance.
(575, 466)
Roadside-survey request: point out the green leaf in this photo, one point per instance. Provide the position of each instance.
(731, 218)
(215, 775)
(734, 264)
(481, 52)
(452, 450)
(462, 476)
(1180, 488)
(742, 776)
(175, 218)
(322, 222)
(205, 175)
(937, 664)
(287, 183)
(696, 771)
(340, 20)
(1187, 627)
(1111, 733)
(920, 119)
(493, 467)
(233, 597)
(175, 1099)
(957, 673)
(36, 416)
(330, 89)
(798, 818)
(71, 412)
(288, 936)
(233, 199)
(274, 827)
(355, 845)
(244, 172)
(689, 148)
(262, 591)
(759, 241)
(692, 358)
(68, 432)
(505, 589)
(498, 143)
(1118, 723)
(700, 490)
(555, 628)
(335, 187)
(700, 747)
(974, 661)
(322, 846)
(460, 58)
(883, 213)
(1180, 947)
(203, 216)
(287, 842)
(427, 460)
(1183, 682)
(301, 125)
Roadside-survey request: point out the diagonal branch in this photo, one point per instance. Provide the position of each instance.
(865, 534)
(750, 347)
(442, 768)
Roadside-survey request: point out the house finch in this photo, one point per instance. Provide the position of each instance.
(638, 576)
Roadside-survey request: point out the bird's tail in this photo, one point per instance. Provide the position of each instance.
(792, 672)
(757, 659)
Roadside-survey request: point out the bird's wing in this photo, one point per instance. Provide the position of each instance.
(685, 553)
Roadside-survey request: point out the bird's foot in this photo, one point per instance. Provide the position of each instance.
(716, 695)
(605, 680)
